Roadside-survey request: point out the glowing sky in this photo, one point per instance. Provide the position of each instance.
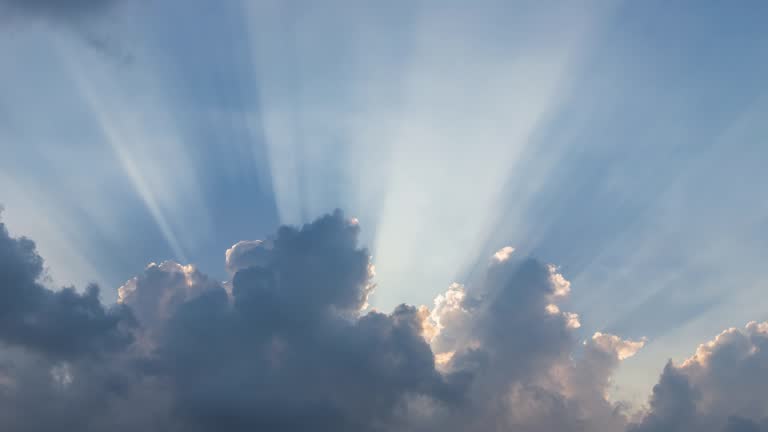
(623, 142)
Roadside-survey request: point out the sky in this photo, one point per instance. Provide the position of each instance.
(551, 214)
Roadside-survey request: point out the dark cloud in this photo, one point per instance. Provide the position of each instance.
(672, 406)
(109, 393)
(310, 270)
(287, 345)
(287, 351)
(739, 424)
(63, 323)
(60, 351)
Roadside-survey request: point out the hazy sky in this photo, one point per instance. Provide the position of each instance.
(623, 142)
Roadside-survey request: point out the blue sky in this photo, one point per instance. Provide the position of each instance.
(623, 142)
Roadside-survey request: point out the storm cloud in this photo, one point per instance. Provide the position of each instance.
(289, 344)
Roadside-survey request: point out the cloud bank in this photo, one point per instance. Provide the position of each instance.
(288, 344)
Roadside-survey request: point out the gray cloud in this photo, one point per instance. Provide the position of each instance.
(507, 332)
(63, 324)
(288, 346)
(288, 352)
(154, 295)
(63, 355)
(721, 388)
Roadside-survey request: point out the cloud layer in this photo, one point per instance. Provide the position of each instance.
(288, 344)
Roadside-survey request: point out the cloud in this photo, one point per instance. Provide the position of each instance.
(290, 351)
(63, 355)
(63, 324)
(720, 388)
(244, 254)
(613, 344)
(507, 334)
(286, 345)
(155, 295)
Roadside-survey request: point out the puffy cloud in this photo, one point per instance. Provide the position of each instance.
(286, 345)
(506, 334)
(64, 324)
(503, 254)
(615, 346)
(155, 295)
(309, 270)
(448, 318)
(288, 348)
(720, 388)
(588, 379)
(290, 351)
(246, 253)
(62, 353)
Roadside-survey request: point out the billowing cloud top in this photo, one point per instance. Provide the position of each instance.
(720, 388)
(244, 254)
(287, 348)
(63, 324)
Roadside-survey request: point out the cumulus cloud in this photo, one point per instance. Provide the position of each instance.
(722, 387)
(506, 334)
(286, 345)
(290, 351)
(64, 324)
(614, 345)
(246, 253)
(154, 295)
(63, 355)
